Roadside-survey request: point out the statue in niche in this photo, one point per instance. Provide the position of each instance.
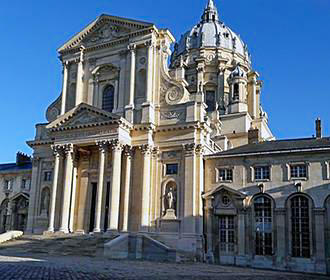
(170, 199)
(45, 199)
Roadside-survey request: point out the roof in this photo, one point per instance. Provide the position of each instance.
(13, 167)
(278, 146)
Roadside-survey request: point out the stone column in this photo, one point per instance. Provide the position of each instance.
(33, 195)
(80, 78)
(58, 155)
(103, 147)
(129, 155)
(280, 215)
(65, 87)
(67, 185)
(117, 149)
(130, 107)
(145, 223)
(74, 190)
(189, 219)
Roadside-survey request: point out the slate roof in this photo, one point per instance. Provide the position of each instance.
(13, 167)
(278, 146)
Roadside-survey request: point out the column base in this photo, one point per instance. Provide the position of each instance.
(64, 231)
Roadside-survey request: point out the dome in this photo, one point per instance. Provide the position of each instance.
(211, 32)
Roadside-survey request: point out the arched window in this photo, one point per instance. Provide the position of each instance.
(108, 98)
(263, 226)
(236, 92)
(300, 227)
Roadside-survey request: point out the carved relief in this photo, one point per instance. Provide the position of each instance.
(106, 33)
(172, 115)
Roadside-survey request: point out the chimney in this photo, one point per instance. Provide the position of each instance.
(318, 124)
(253, 135)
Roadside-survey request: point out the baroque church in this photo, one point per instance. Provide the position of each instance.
(175, 146)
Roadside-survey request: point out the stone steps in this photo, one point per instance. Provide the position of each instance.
(70, 245)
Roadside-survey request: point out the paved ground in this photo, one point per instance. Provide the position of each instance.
(19, 262)
(87, 268)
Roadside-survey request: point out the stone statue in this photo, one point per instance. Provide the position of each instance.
(170, 198)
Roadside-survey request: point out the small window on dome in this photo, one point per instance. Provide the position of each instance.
(213, 17)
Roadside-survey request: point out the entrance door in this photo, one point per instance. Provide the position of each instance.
(93, 208)
(107, 207)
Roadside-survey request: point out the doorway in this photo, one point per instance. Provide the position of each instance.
(93, 207)
(107, 207)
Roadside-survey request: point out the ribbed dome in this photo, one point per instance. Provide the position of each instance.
(211, 32)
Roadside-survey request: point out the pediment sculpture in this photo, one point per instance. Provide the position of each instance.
(106, 33)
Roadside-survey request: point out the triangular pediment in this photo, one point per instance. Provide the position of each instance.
(103, 30)
(83, 116)
(223, 188)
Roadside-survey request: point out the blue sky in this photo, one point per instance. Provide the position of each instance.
(289, 42)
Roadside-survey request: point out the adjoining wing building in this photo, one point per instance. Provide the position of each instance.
(175, 146)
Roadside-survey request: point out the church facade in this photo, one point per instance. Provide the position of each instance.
(137, 141)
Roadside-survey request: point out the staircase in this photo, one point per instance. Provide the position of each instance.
(65, 245)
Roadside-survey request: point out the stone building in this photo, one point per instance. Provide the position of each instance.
(126, 143)
(267, 205)
(15, 183)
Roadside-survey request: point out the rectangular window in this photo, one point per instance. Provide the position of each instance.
(227, 234)
(47, 176)
(299, 171)
(226, 174)
(23, 183)
(172, 169)
(262, 173)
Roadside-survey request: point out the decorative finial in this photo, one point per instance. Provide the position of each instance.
(210, 12)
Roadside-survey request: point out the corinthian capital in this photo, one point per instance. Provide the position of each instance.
(103, 145)
(116, 146)
(146, 149)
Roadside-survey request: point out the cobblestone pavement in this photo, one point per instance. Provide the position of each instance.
(87, 268)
